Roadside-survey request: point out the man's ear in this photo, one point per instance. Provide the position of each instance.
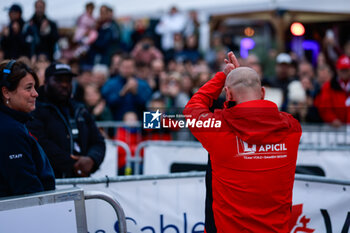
(229, 96)
(263, 91)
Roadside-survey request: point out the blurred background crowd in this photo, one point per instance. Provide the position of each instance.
(127, 65)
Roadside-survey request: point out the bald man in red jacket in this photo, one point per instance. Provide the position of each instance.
(253, 149)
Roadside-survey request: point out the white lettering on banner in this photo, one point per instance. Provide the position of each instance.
(273, 150)
(177, 205)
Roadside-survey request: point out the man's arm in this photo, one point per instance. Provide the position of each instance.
(90, 162)
(198, 106)
(210, 91)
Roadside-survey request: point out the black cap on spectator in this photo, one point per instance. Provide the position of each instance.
(15, 8)
(58, 69)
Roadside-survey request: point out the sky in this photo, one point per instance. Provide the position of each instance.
(66, 11)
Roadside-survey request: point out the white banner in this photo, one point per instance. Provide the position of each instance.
(109, 166)
(320, 208)
(163, 205)
(159, 159)
(42, 218)
(177, 206)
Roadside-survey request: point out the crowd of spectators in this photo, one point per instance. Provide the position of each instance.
(122, 67)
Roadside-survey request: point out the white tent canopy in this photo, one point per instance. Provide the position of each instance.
(66, 11)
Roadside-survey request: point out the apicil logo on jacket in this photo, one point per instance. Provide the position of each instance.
(266, 151)
(151, 120)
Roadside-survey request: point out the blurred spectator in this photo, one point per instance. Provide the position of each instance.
(41, 34)
(85, 33)
(306, 75)
(12, 39)
(145, 51)
(95, 104)
(268, 61)
(40, 66)
(64, 128)
(229, 42)
(305, 69)
(83, 79)
(201, 79)
(333, 102)
(126, 92)
(216, 45)
(330, 47)
(273, 94)
(192, 25)
(297, 102)
(143, 71)
(140, 30)
(190, 51)
(253, 62)
(171, 66)
(179, 45)
(100, 74)
(131, 135)
(187, 85)
(324, 74)
(170, 24)
(171, 92)
(219, 58)
(108, 38)
(347, 48)
(157, 71)
(2, 55)
(283, 77)
(115, 63)
(321, 59)
(126, 30)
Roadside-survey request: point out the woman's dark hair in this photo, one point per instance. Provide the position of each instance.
(11, 76)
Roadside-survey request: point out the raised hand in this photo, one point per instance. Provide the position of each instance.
(231, 63)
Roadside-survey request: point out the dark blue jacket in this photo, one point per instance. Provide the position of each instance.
(119, 105)
(54, 133)
(24, 167)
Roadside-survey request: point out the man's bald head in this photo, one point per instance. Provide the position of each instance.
(243, 84)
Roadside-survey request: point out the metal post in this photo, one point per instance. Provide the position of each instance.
(114, 203)
(127, 151)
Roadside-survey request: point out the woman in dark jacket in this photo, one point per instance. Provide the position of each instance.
(24, 167)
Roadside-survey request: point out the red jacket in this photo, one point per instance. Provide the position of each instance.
(253, 156)
(331, 103)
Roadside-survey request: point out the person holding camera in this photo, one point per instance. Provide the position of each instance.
(24, 167)
(145, 51)
(65, 128)
(253, 151)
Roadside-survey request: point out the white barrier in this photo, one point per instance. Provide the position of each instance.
(109, 166)
(160, 156)
(175, 203)
(44, 212)
(152, 204)
(335, 163)
(56, 211)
